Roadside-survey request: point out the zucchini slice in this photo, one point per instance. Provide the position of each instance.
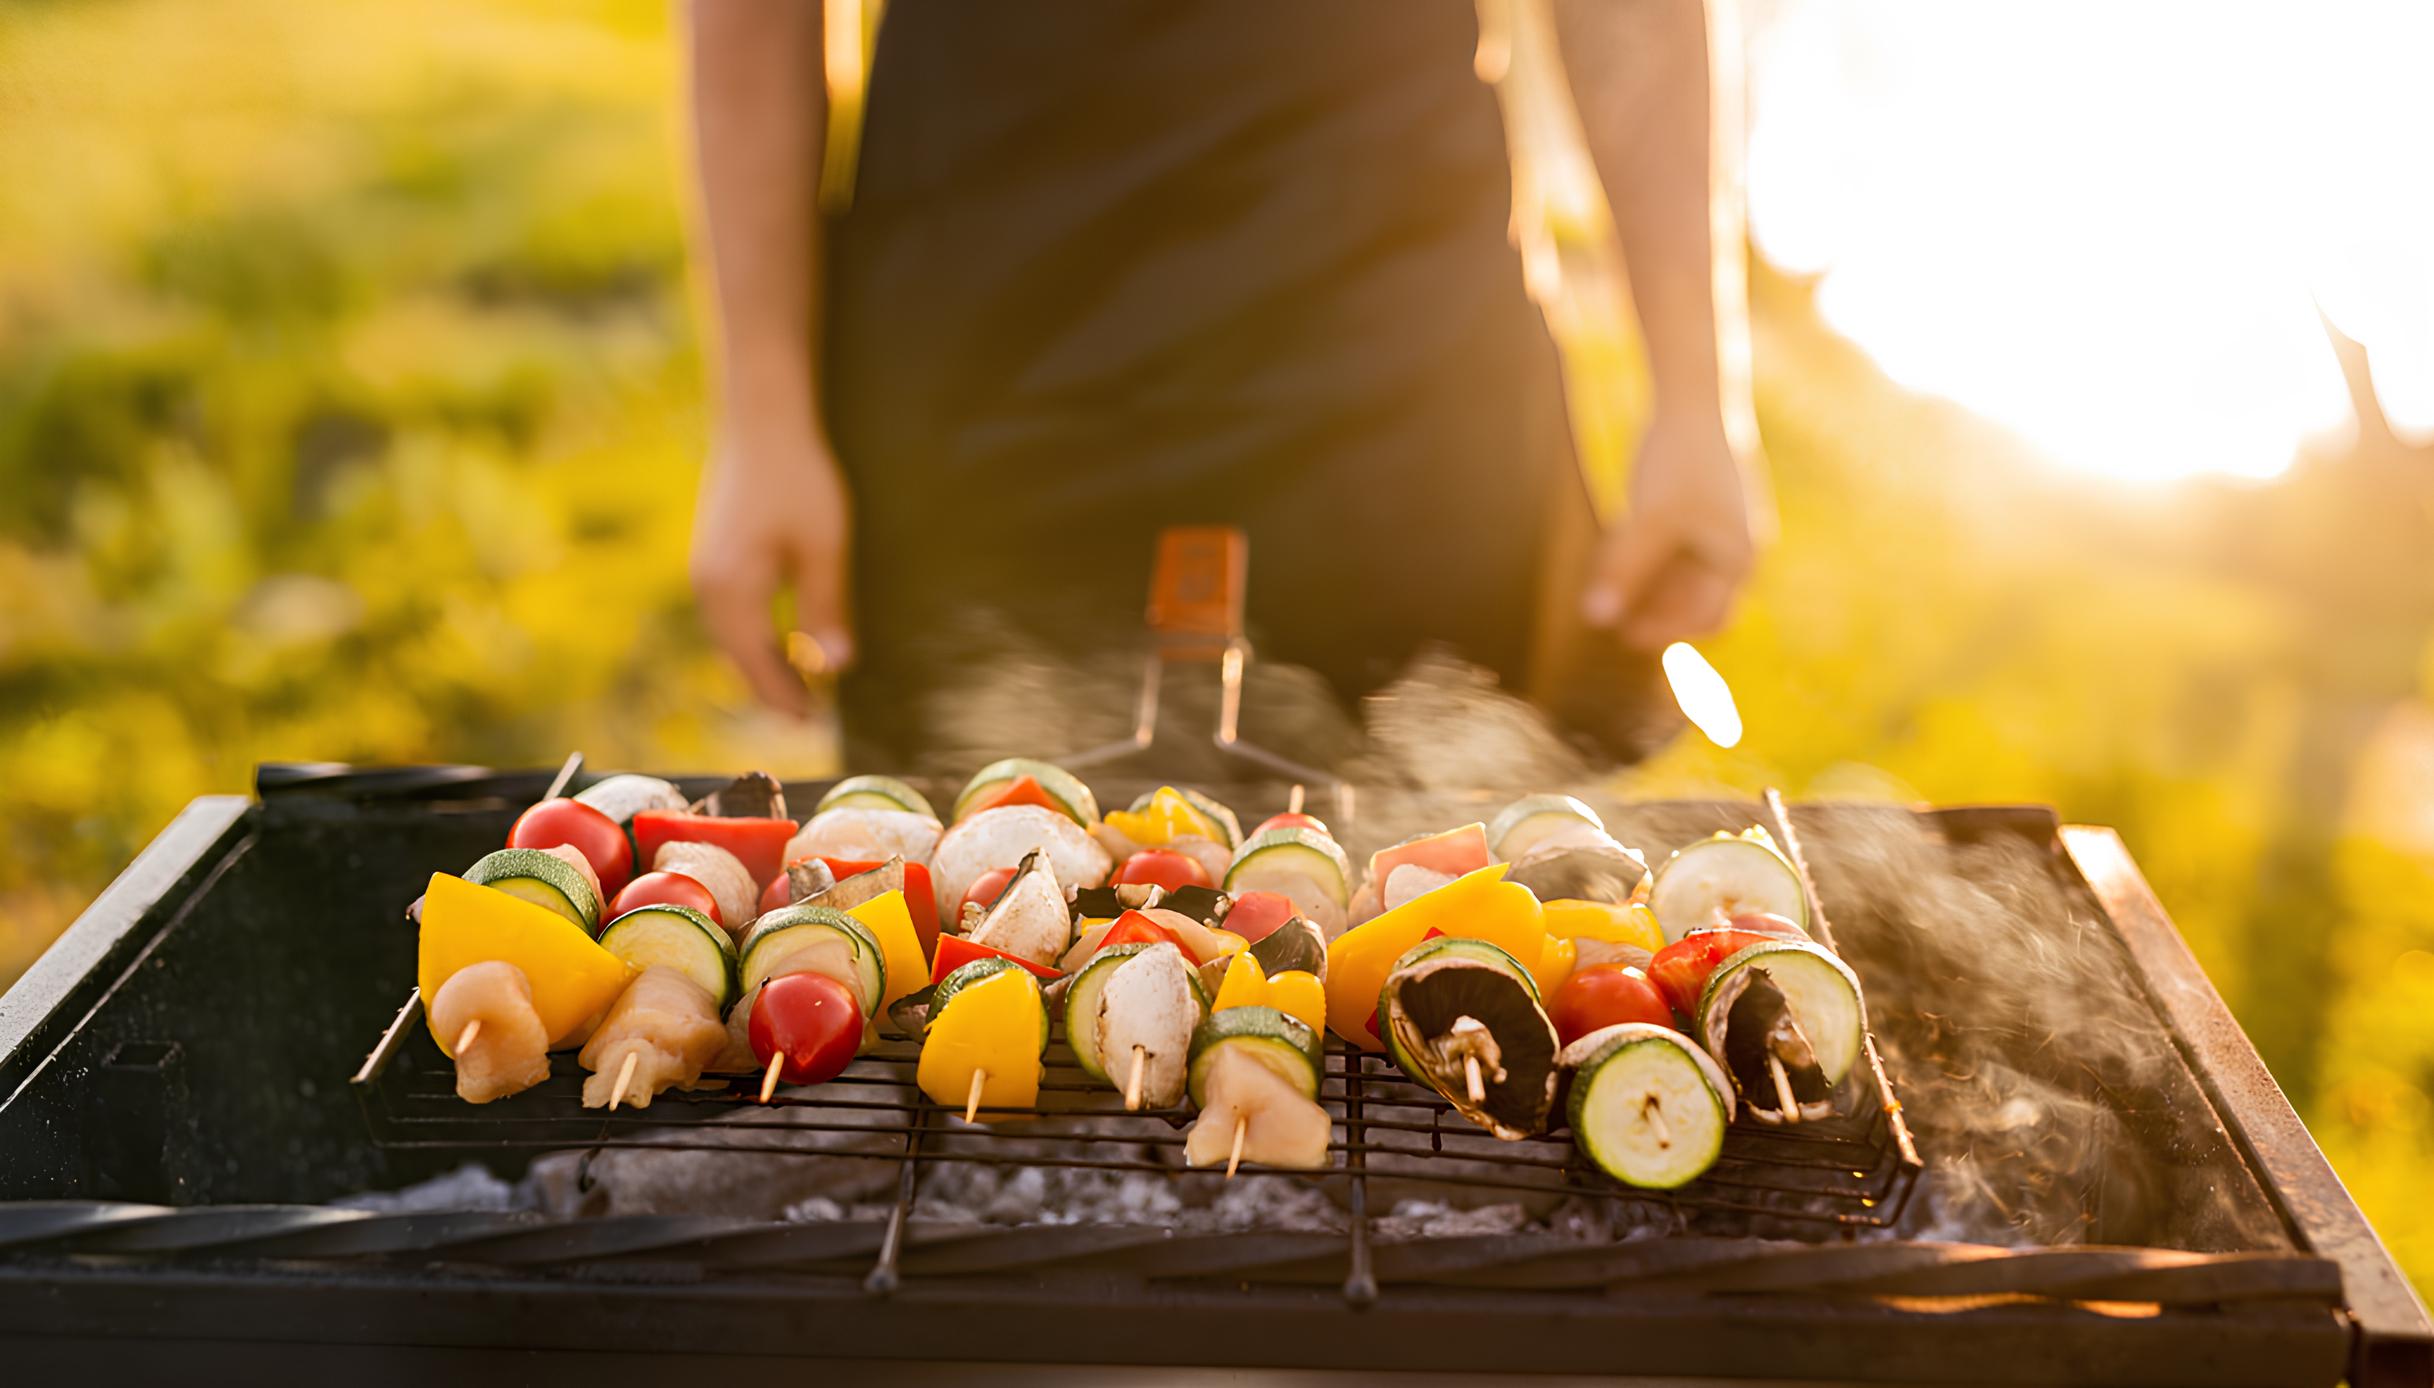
(1792, 1003)
(1538, 821)
(1073, 798)
(816, 937)
(1646, 1104)
(1283, 1043)
(543, 879)
(1708, 882)
(1302, 865)
(877, 793)
(1082, 1005)
(680, 938)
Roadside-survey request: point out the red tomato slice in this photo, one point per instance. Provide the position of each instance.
(1256, 915)
(1292, 819)
(954, 951)
(564, 823)
(986, 889)
(1164, 867)
(1680, 969)
(665, 889)
(810, 1018)
(760, 844)
(1605, 996)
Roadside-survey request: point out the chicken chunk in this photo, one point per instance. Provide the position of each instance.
(1281, 1126)
(510, 1053)
(668, 1024)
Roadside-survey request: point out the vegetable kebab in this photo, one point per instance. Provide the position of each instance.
(505, 980)
(1255, 1069)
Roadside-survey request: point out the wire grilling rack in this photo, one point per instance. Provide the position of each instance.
(1817, 1179)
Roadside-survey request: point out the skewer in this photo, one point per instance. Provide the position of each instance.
(465, 1038)
(1654, 1112)
(1132, 1083)
(1471, 1083)
(1234, 1158)
(1783, 1089)
(1293, 803)
(769, 1080)
(625, 1076)
(971, 1102)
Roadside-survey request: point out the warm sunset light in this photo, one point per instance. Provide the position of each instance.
(2109, 227)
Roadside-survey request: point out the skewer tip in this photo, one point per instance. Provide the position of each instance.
(1233, 1158)
(1472, 1084)
(625, 1076)
(769, 1078)
(1132, 1083)
(466, 1038)
(1783, 1089)
(971, 1102)
(1654, 1112)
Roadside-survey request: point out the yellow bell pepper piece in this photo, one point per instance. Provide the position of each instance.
(573, 979)
(1166, 818)
(1245, 984)
(1479, 905)
(1595, 920)
(908, 969)
(1298, 993)
(992, 1027)
(1554, 965)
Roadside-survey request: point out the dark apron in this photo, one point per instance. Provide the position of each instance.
(1111, 266)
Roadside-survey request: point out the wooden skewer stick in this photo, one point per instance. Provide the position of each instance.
(769, 1078)
(1132, 1083)
(971, 1102)
(1471, 1083)
(1234, 1158)
(625, 1076)
(1783, 1089)
(465, 1038)
(1654, 1112)
(1293, 800)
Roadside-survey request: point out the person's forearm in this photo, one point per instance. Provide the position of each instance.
(759, 115)
(1658, 84)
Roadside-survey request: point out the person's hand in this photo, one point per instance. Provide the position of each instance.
(773, 518)
(1671, 567)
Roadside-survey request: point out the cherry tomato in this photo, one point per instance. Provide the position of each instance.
(575, 825)
(1255, 915)
(665, 889)
(1164, 867)
(1291, 819)
(812, 1019)
(989, 886)
(778, 893)
(1605, 996)
(1680, 969)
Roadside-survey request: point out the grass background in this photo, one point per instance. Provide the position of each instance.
(350, 409)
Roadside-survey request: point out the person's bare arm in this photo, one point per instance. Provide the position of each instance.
(1659, 91)
(772, 515)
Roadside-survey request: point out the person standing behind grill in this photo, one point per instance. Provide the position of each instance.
(1110, 266)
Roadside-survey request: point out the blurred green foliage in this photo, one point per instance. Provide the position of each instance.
(349, 410)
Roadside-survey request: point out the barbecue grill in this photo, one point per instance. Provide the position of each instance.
(175, 1110)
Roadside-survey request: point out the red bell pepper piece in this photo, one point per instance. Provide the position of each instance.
(759, 843)
(1022, 790)
(919, 898)
(954, 951)
(1133, 928)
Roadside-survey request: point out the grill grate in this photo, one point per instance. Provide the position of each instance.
(1815, 1179)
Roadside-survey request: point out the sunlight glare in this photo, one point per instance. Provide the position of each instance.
(1706, 700)
(2109, 227)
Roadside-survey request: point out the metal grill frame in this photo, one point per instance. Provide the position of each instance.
(138, 1288)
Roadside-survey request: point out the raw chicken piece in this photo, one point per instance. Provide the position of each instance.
(668, 1023)
(1281, 1127)
(1411, 880)
(510, 1054)
(573, 857)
